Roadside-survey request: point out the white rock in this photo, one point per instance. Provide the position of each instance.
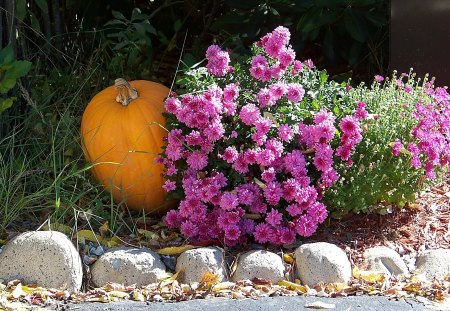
(127, 265)
(47, 258)
(386, 260)
(435, 263)
(197, 262)
(259, 264)
(322, 262)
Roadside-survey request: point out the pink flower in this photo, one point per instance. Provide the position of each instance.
(349, 125)
(265, 157)
(247, 226)
(274, 218)
(273, 192)
(229, 201)
(169, 185)
(249, 114)
(214, 131)
(194, 138)
(263, 233)
(397, 147)
(230, 92)
(322, 163)
(268, 174)
(285, 132)
(329, 177)
(172, 105)
(188, 229)
(324, 116)
(309, 63)
(277, 90)
(263, 125)
(240, 165)
(379, 78)
(250, 156)
(218, 61)
(295, 92)
(173, 219)
(298, 67)
(294, 209)
(287, 56)
(287, 236)
(232, 232)
(197, 160)
(230, 155)
(265, 98)
(305, 226)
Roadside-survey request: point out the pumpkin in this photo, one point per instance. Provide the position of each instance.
(123, 132)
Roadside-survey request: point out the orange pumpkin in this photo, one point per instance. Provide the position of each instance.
(122, 132)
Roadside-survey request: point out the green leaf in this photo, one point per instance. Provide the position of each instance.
(6, 103)
(7, 55)
(177, 25)
(7, 84)
(34, 22)
(21, 9)
(355, 26)
(42, 4)
(19, 69)
(118, 15)
(148, 27)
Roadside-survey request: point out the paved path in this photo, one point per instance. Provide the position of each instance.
(362, 303)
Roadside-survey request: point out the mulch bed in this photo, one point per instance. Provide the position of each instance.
(417, 227)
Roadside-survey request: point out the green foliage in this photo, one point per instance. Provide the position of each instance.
(131, 39)
(10, 71)
(378, 179)
(350, 33)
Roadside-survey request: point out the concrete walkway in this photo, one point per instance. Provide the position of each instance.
(362, 303)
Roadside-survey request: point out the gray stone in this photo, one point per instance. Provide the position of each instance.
(127, 265)
(386, 260)
(434, 264)
(198, 261)
(47, 258)
(322, 262)
(259, 264)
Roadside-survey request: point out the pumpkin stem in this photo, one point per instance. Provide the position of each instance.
(125, 93)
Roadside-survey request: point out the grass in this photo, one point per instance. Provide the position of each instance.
(43, 175)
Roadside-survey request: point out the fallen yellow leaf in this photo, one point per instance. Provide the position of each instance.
(293, 286)
(369, 276)
(288, 258)
(175, 250)
(89, 235)
(137, 296)
(119, 294)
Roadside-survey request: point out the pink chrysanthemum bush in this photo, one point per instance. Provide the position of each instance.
(405, 148)
(253, 146)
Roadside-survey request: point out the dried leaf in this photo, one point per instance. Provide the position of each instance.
(104, 229)
(320, 305)
(138, 296)
(369, 276)
(118, 294)
(288, 258)
(149, 235)
(18, 291)
(223, 286)
(293, 286)
(208, 280)
(261, 281)
(89, 235)
(174, 250)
